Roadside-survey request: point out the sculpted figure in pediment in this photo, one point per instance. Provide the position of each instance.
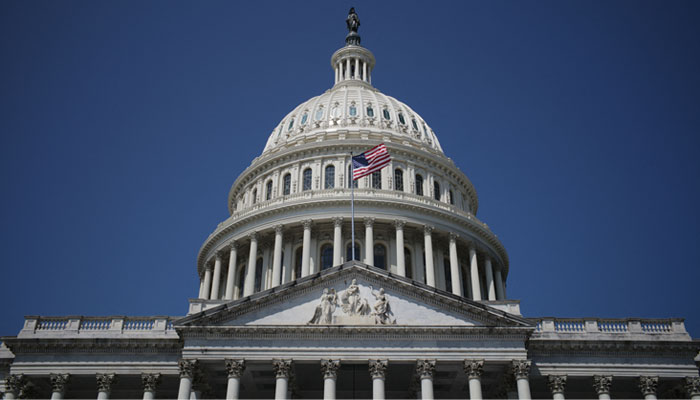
(351, 302)
(324, 311)
(382, 310)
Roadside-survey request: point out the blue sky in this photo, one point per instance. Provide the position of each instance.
(123, 125)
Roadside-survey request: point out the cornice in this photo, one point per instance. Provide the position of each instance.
(611, 348)
(93, 345)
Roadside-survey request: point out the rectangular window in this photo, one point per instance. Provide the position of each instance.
(377, 180)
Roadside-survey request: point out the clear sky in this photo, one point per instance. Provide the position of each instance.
(123, 125)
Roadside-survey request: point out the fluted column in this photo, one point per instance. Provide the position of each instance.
(521, 370)
(602, 386)
(337, 240)
(277, 257)
(231, 275)
(347, 68)
(474, 369)
(429, 264)
(306, 249)
(364, 72)
(455, 270)
(234, 369)
(217, 278)
(556, 384)
(14, 386)
(357, 68)
(58, 385)
(104, 385)
(207, 282)
(648, 384)
(377, 370)
(400, 256)
(187, 368)
(283, 368)
(329, 370)
(150, 383)
(490, 286)
(369, 241)
(692, 386)
(425, 370)
(474, 272)
(498, 278)
(249, 285)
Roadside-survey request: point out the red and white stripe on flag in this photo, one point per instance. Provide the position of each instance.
(370, 161)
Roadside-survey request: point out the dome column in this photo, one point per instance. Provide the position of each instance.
(250, 272)
(490, 286)
(454, 267)
(429, 263)
(369, 241)
(500, 290)
(347, 68)
(400, 256)
(474, 269)
(306, 249)
(337, 240)
(231, 275)
(217, 278)
(207, 282)
(277, 257)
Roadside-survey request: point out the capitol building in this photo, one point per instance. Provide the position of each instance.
(285, 311)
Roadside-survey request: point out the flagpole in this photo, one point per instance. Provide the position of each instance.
(352, 205)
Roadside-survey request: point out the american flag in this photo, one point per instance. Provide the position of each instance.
(371, 160)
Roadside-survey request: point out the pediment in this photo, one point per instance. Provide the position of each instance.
(350, 295)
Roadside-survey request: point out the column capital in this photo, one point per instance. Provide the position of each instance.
(377, 368)
(232, 244)
(235, 368)
(427, 229)
(369, 222)
(150, 382)
(556, 383)
(279, 229)
(473, 368)
(602, 384)
(399, 224)
(472, 247)
(521, 368)
(307, 223)
(218, 256)
(283, 368)
(187, 368)
(338, 221)
(329, 368)
(648, 384)
(253, 236)
(453, 237)
(59, 382)
(425, 369)
(16, 383)
(208, 267)
(105, 381)
(692, 385)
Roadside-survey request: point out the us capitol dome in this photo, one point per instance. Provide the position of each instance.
(284, 311)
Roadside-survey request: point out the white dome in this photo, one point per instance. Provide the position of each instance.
(353, 105)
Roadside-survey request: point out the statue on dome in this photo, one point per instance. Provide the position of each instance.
(353, 20)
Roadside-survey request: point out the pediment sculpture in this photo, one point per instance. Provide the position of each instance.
(354, 309)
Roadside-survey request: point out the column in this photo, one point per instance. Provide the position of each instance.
(347, 68)
(364, 72)
(217, 278)
(207, 282)
(521, 370)
(150, 383)
(425, 370)
(231, 276)
(474, 369)
(306, 250)
(692, 385)
(490, 286)
(283, 368)
(455, 270)
(252, 259)
(234, 368)
(556, 384)
(104, 385)
(648, 384)
(602, 386)
(337, 240)
(329, 370)
(500, 292)
(187, 368)
(14, 386)
(369, 241)
(377, 370)
(400, 255)
(201, 288)
(277, 257)
(58, 385)
(429, 264)
(266, 278)
(474, 269)
(336, 73)
(357, 68)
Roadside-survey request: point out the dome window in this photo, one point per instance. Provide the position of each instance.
(291, 123)
(326, 256)
(415, 125)
(268, 190)
(335, 112)
(387, 116)
(370, 112)
(425, 131)
(377, 180)
(398, 179)
(255, 195)
(401, 119)
(286, 184)
(353, 111)
(304, 118)
(330, 177)
(319, 114)
(307, 179)
(436, 190)
(419, 185)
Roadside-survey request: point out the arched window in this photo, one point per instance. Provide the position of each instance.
(351, 182)
(348, 252)
(255, 195)
(419, 185)
(326, 256)
(452, 198)
(408, 261)
(377, 180)
(307, 179)
(268, 190)
(380, 256)
(436, 190)
(287, 184)
(448, 275)
(258, 274)
(330, 177)
(398, 179)
(297, 263)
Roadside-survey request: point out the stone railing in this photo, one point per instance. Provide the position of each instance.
(86, 326)
(612, 327)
